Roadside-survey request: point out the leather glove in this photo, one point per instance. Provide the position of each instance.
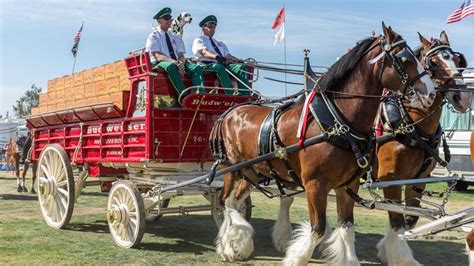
(220, 59)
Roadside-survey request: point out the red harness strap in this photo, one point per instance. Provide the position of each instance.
(304, 117)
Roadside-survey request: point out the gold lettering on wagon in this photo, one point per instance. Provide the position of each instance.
(157, 142)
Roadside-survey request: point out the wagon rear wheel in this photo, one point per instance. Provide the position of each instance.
(126, 214)
(245, 209)
(55, 186)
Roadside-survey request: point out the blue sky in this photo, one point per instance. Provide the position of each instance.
(36, 36)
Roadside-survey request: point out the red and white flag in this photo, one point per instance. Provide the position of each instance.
(279, 22)
(77, 39)
(466, 9)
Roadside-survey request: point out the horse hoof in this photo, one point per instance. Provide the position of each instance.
(19, 188)
(24, 189)
(33, 191)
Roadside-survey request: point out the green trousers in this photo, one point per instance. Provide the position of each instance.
(193, 71)
(224, 77)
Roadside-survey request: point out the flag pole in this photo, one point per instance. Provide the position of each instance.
(284, 47)
(76, 51)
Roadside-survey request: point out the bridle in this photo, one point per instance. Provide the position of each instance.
(397, 60)
(444, 49)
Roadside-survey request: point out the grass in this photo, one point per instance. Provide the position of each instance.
(176, 239)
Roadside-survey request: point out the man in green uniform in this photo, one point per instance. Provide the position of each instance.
(167, 52)
(214, 54)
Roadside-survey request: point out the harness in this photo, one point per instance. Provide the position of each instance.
(335, 128)
(396, 119)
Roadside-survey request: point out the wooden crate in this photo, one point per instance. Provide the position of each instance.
(112, 85)
(81, 102)
(35, 111)
(122, 70)
(103, 98)
(51, 97)
(100, 87)
(78, 79)
(51, 85)
(61, 96)
(60, 85)
(51, 107)
(62, 106)
(120, 99)
(89, 76)
(99, 73)
(89, 90)
(79, 92)
(43, 99)
(68, 82)
(124, 84)
(110, 71)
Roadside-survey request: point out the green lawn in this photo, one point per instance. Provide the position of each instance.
(26, 239)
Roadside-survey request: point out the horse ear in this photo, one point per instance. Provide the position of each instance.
(424, 41)
(443, 37)
(387, 32)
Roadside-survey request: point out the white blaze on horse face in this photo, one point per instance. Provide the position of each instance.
(425, 79)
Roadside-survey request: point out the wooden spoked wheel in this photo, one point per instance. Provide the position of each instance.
(55, 186)
(126, 214)
(245, 209)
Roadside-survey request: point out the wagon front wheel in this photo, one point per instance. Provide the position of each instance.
(126, 214)
(55, 186)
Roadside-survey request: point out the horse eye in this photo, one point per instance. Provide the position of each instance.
(446, 55)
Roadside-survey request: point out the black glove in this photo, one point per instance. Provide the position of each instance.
(220, 59)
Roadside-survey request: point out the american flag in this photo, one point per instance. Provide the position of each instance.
(466, 9)
(77, 39)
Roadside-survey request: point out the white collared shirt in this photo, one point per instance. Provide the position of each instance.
(156, 42)
(204, 42)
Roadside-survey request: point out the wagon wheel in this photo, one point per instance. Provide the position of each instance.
(245, 209)
(153, 217)
(55, 186)
(126, 214)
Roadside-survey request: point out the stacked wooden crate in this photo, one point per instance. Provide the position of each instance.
(105, 84)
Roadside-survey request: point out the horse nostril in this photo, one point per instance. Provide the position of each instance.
(456, 98)
(432, 96)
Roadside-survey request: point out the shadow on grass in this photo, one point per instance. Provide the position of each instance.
(19, 196)
(94, 194)
(8, 178)
(99, 227)
(196, 234)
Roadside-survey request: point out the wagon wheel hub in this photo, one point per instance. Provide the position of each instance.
(47, 186)
(118, 214)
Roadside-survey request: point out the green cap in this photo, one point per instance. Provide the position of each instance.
(164, 11)
(210, 18)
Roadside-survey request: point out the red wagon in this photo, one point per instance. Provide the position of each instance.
(155, 139)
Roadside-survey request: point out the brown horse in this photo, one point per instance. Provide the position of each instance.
(13, 155)
(372, 65)
(404, 157)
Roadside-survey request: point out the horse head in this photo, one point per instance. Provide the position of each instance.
(445, 67)
(403, 71)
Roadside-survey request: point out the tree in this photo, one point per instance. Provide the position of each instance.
(29, 100)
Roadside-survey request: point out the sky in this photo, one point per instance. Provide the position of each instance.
(36, 36)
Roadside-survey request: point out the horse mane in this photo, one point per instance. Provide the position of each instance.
(339, 70)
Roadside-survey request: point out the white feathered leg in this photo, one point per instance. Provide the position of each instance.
(234, 241)
(301, 248)
(282, 230)
(341, 248)
(393, 250)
